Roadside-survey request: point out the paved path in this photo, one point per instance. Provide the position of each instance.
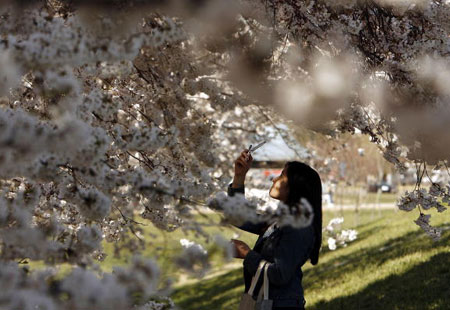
(391, 205)
(326, 207)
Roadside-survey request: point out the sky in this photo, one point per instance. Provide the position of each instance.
(275, 149)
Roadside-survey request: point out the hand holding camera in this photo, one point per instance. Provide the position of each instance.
(242, 164)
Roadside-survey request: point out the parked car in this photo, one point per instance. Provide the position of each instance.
(383, 186)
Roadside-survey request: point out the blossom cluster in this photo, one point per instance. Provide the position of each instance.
(298, 216)
(339, 237)
(238, 210)
(426, 200)
(424, 222)
(81, 288)
(193, 254)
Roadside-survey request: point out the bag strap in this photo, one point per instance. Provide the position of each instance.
(266, 282)
(262, 263)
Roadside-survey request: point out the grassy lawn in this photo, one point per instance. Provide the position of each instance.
(392, 265)
(164, 247)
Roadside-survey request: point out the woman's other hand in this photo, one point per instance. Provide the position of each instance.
(240, 248)
(242, 164)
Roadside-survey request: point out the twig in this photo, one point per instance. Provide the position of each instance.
(426, 172)
(448, 171)
(140, 160)
(279, 131)
(419, 178)
(127, 218)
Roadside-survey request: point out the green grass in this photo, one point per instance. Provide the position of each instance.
(392, 265)
(164, 247)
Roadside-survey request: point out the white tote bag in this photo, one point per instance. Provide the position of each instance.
(247, 301)
(264, 303)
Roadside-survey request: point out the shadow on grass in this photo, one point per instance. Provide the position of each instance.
(361, 237)
(407, 244)
(423, 287)
(212, 293)
(223, 292)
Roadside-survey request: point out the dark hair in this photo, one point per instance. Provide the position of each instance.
(304, 182)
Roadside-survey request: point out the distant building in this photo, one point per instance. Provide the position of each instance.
(275, 153)
(269, 160)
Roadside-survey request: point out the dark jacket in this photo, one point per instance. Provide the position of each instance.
(287, 249)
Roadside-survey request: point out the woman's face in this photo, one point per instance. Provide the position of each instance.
(279, 189)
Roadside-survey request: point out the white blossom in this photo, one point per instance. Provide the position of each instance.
(333, 222)
(89, 238)
(301, 215)
(423, 221)
(163, 303)
(331, 243)
(236, 209)
(193, 254)
(426, 200)
(226, 246)
(338, 236)
(94, 205)
(143, 276)
(29, 299)
(9, 73)
(87, 290)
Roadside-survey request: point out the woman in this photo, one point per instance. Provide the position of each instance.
(286, 248)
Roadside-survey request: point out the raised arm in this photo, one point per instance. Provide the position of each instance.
(241, 166)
